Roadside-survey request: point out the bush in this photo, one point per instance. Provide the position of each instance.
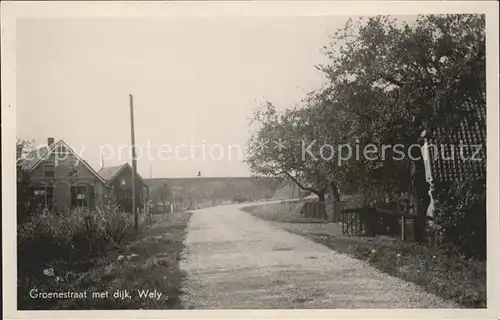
(461, 218)
(65, 243)
(240, 199)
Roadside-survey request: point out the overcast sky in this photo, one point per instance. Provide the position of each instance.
(194, 81)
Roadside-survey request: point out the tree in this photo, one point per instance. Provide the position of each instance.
(429, 68)
(398, 78)
(276, 148)
(24, 188)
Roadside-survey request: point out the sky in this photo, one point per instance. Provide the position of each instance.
(194, 83)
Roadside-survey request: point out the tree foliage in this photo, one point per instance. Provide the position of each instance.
(24, 189)
(276, 148)
(461, 217)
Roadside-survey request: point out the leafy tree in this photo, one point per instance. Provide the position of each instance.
(399, 78)
(24, 189)
(276, 148)
(436, 63)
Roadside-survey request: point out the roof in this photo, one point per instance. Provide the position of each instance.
(33, 159)
(448, 163)
(111, 172)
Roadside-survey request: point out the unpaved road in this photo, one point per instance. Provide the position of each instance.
(234, 260)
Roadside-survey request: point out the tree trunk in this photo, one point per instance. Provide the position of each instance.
(336, 192)
(335, 200)
(321, 196)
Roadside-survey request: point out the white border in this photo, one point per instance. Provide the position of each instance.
(10, 11)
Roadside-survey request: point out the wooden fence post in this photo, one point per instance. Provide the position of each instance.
(403, 222)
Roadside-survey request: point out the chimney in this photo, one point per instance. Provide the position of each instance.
(50, 141)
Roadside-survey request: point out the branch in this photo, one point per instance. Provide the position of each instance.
(393, 81)
(316, 191)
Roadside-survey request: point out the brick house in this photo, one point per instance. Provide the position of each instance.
(119, 178)
(61, 179)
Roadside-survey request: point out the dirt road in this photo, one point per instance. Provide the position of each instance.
(236, 261)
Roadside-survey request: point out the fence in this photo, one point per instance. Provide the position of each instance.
(314, 209)
(376, 221)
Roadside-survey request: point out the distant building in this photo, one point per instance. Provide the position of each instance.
(119, 178)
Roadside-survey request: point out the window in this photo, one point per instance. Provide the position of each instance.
(79, 196)
(43, 195)
(73, 172)
(48, 171)
(123, 182)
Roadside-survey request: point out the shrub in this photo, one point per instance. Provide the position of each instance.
(113, 223)
(64, 243)
(240, 199)
(461, 218)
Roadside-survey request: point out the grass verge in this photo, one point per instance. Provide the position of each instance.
(286, 211)
(450, 277)
(147, 268)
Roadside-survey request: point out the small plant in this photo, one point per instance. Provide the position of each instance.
(114, 223)
(146, 211)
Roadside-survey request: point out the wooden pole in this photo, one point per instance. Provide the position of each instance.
(134, 163)
(403, 222)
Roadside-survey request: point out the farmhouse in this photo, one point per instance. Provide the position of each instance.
(61, 179)
(119, 179)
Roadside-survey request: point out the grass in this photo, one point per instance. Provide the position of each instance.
(287, 211)
(148, 261)
(450, 277)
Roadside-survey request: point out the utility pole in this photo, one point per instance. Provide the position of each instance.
(134, 163)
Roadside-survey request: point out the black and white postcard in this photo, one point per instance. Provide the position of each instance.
(253, 159)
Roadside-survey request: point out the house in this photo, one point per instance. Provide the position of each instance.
(119, 178)
(456, 153)
(61, 179)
